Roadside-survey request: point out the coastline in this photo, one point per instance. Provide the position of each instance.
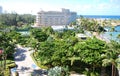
(101, 37)
(102, 16)
(111, 20)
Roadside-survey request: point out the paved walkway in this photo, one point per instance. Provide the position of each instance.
(25, 64)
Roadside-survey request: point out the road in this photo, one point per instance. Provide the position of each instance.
(25, 64)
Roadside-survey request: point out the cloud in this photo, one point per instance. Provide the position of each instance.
(96, 1)
(103, 6)
(84, 7)
(114, 1)
(23, 7)
(80, 6)
(118, 6)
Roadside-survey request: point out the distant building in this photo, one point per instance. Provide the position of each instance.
(61, 28)
(55, 18)
(81, 36)
(0, 9)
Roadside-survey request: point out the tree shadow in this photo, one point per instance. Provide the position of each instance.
(23, 69)
(18, 55)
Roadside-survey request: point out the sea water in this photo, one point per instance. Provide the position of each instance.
(101, 16)
(112, 35)
(108, 35)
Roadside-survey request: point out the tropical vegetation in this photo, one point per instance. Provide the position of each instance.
(63, 50)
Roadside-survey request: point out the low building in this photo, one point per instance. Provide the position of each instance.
(61, 28)
(81, 36)
(55, 18)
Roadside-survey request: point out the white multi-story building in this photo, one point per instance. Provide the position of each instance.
(54, 18)
(0, 9)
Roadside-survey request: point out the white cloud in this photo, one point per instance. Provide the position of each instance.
(34, 7)
(83, 7)
(114, 1)
(104, 6)
(117, 6)
(97, 1)
(28, 8)
(111, 1)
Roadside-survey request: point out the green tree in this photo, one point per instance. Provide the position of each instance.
(90, 52)
(45, 52)
(39, 35)
(118, 37)
(48, 30)
(7, 44)
(14, 19)
(90, 25)
(111, 55)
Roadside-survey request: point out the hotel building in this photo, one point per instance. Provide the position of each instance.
(55, 18)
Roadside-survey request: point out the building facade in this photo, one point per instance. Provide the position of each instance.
(54, 18)
(0, 9)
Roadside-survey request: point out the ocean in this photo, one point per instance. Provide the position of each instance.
(101, 16)
(108, 35)
(112, 35)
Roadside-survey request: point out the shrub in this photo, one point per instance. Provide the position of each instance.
(1, 72)
(58, 71)
(7, 72)
(37, 62)
(90, 73)
(11, 65)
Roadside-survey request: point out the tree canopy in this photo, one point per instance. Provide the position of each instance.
(14, 19)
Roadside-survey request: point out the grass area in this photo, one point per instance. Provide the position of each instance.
(38, 62)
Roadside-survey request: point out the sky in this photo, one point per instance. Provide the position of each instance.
(82, 7)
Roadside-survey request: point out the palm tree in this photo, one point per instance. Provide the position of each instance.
(111, 56)
(118, 37)
(112, 29)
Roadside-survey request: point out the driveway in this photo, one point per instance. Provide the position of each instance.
(25, 64)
